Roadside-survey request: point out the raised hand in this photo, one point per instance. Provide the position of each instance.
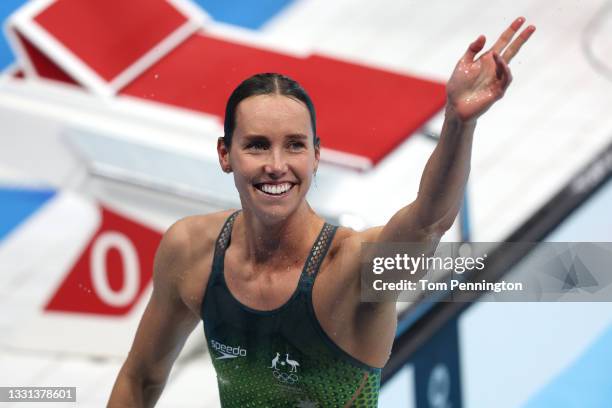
(476, 84)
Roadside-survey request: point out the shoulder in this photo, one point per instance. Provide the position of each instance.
(344, 253)
(186, 242)
(348, 240)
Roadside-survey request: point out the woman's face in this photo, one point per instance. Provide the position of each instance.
(272, 155)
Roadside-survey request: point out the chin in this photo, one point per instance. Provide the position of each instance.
(275, 214)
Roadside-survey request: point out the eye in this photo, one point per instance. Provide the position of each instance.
(257, 145)
(296, 145)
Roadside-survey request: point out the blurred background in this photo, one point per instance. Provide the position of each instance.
(109, 115)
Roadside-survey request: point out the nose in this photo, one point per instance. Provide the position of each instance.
(276, 164)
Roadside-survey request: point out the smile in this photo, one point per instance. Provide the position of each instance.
(274, 189)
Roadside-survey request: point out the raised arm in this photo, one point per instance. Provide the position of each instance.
(163, 329)
(475, 85)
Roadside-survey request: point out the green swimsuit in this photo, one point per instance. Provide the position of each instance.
(281, 357)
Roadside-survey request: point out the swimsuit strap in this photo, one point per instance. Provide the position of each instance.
(222, 242)
(316, 256)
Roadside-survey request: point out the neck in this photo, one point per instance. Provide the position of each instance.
(280, 242)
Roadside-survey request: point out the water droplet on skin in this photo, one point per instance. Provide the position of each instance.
(156, 76)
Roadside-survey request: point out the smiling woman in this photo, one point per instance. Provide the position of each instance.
(277, 287)
(258, 296)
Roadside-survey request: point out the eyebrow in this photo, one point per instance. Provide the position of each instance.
(255, 137)
(298, 136)
(294, 136)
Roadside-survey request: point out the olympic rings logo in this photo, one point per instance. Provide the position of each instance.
(285, 377)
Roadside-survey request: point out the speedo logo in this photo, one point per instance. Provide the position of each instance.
(227, 351)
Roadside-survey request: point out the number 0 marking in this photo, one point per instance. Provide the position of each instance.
(99, 273)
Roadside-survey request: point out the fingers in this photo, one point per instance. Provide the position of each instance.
(475, 48)
(516, 45)
(504, 42)
(507, 35)
(502, 71)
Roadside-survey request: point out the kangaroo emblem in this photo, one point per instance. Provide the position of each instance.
(275, 360)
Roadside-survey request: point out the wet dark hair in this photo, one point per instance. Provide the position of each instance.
(266, 84)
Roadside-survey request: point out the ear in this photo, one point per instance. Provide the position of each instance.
(317, 149)
(223, 153)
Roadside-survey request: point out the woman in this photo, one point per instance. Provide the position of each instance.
(281, 296)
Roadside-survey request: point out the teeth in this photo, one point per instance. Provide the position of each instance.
(275, 189)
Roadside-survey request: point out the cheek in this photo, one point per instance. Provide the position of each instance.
(245, 167)
(305, 169)
(243, 176)
(244, 181)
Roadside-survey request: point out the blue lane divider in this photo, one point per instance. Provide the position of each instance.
(17, 204)
(244, 13)
(6, 8)
(587, 383)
